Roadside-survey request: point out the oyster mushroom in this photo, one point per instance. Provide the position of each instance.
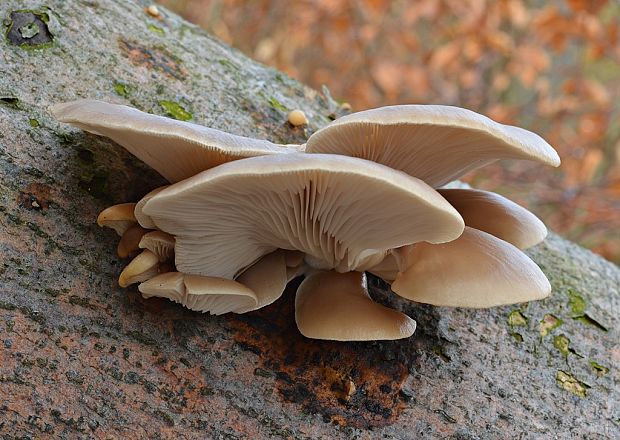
(160, 243)
(336, 306)
(175, 149)
(475, 270)
(141, 268)
(118, 217)
(226, 218)
(497, 215)
(435, 143)
(199, 293)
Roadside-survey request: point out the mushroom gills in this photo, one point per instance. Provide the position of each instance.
(435, 143)
(226, 218)
(199, 293)
(175, 149)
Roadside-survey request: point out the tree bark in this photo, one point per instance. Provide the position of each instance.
(80, 357)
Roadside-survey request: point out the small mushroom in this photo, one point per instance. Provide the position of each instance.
(297, 118)
(435, 143)
(128, 246)
(226, 218)
(267, 278)
(144, 220)
(201, 294)
(175, 149)
(492, 213)
(118, 217)
(476, 270)
(336, 306)
(141, 268)
(160, 243)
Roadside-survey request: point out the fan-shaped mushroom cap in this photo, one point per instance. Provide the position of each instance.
(118, 217)
(475, 270)
(129, 244)
(435, 143)
(160, 243)
(201, 294)
(492, 213)
(332, 208)
(144, 220)
(217, 295)
(141, 268)
(267, 278)
(336, 306)
(175, 149)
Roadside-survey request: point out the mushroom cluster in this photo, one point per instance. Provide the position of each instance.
(242, 217)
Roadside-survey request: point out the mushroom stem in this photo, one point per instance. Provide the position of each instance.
(336, 306)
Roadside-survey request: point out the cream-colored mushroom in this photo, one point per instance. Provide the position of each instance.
(144, 220)
(476, 270)
(492, 213)
(129, 244)
(175, 149)
(118, 217)
(160, 243)
(141, 268)
(435, 143)
(334, 209)
(202, 294)
(336, 306)
(267, 278)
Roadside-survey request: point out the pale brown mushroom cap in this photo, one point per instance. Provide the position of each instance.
(333, 208)
(118, 217)
(492, 213)
(141, 268)
(217, 295)
(144, 220)
(336, 306)
(160, 243)
(267, 278)
(175, 149)
(201, 294)
(435, 143)
(128, 246)
(476, 270)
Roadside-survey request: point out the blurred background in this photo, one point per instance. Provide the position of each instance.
(551, 66)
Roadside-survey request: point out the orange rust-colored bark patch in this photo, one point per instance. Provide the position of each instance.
(35, 196)
(153, 58)
(349, 386)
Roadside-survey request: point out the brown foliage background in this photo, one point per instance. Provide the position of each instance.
(550, 66)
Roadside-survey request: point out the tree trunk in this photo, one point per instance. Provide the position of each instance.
(81, 357)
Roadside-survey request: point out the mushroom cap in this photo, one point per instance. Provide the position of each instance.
(118, 217)
(497, 215)
(332, 208)
(160, 243)
(201, 294)
(141, 268)
(175, 149)
(128, 246)
(435, 143)
(217, 295)
(267, 278)
(476, 270)
(144, 220)
(336, 306)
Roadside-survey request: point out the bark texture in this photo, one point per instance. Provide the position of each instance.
(82, 358)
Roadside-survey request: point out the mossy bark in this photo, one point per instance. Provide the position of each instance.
(81, 357)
